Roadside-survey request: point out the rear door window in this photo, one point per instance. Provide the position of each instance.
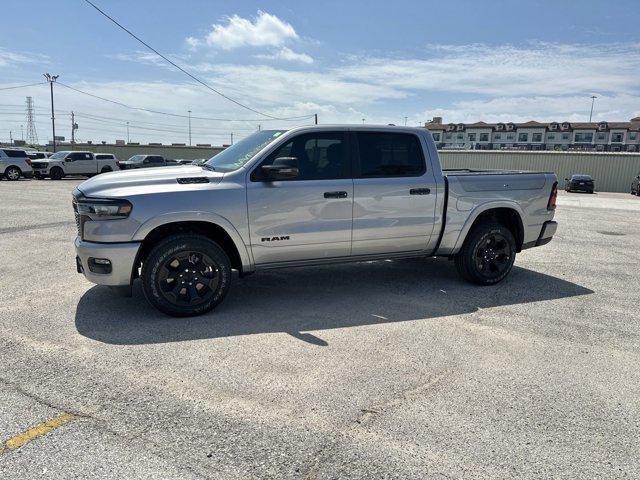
(389, 155)
(15, 153)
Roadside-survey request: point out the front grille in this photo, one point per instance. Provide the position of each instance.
(38, 165)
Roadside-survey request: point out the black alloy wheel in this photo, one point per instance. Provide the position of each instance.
(492, 256)
(186, 275)
(188, 278)
(487, 254)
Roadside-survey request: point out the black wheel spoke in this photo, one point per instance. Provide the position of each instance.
(493, 255)
(188, 278)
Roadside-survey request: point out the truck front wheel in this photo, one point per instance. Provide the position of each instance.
(487, 255)
(186, 275)
(56, 173)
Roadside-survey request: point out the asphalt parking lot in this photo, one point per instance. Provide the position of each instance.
(374, 370)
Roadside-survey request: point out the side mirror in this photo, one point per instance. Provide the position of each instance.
(282, 168)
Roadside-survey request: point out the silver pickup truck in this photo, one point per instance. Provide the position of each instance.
(306, 196)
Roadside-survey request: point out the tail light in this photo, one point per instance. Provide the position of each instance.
(117, 164)
(28, 161)
(551, 205)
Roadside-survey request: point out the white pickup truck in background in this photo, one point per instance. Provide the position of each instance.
(65, 163)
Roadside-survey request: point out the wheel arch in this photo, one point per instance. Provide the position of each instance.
(217, 229)
(10, 166)
(506, 213)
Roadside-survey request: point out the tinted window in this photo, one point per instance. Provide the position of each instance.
(104, 157)
(15, 153)
(318, 156)
(80, 156)
(154, 159)
(389, 155)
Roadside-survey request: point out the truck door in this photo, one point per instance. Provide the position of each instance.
(307, 217)
(394, 194)
(80, 163)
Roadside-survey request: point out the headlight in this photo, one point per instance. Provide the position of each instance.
(104, 209)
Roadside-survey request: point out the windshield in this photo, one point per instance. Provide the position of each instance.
(136, 158)
(238, 154)
(581, 177)
(58, 155)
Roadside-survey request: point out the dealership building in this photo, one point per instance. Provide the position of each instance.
(532, 135)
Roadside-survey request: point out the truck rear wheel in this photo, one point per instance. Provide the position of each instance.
(56, 173)
(487, 255)
(186, 275)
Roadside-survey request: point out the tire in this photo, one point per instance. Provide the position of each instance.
(487, 255)
(171, 261)
(12, 173)
(56, 173)
(105, 169)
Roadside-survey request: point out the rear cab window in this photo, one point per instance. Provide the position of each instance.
(388, 154)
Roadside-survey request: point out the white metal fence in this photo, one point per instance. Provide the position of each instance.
(612, 172)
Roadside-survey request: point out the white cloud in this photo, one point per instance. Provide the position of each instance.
(537, 69)
(192, 43)
(12, 58)
(285, 53)
(265, 30)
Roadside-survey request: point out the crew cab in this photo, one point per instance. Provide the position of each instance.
(307, 196)
(64, 163)
(145, 161)
(14, 163)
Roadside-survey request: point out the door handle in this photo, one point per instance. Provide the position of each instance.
(335, 194)
(420, 191)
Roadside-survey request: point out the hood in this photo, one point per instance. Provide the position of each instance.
(121, 184)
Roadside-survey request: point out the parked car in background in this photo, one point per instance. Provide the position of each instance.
(303, 197)
(14, 164)
(107, 156)
(183, 161)
(38, 155)
(635, 185)
(198, 161)
(579, 183)
(144, 161)
(62, 164)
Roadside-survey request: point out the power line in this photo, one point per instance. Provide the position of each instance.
(183, 70)
(177, 115)
(23, 86)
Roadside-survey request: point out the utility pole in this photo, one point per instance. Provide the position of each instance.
(51, 79)
(21, 133)
(189, 127)
(10, 137)
(315, 118)
(74, 127)
(259, 127)
(405, 121)
(593, 99)
(127, 132)
(363, 121)
(231, 138)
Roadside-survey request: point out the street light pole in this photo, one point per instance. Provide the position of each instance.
(189, 127)
(51, 79)
(127, 132)
(593, 99)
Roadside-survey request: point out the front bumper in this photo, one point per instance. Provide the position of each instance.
(121, 255)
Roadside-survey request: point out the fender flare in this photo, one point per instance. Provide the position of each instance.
(196, 216)
(479, 210)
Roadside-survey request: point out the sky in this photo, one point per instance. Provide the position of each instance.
(346, 61)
